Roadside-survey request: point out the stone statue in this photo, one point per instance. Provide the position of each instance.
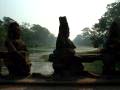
(17, 60)
(111, 51)
(65, 62)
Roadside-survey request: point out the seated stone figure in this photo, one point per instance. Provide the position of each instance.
(111, 51)
(63, 57)
(17, 60)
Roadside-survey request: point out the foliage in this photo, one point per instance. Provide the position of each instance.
(89, 37)
(97, 35)
(113, 12)
(3, 32)
(37, 35)
(83, 39)
(34, 35)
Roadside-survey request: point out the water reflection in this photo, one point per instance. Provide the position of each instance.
(41, 65)
(44, 68)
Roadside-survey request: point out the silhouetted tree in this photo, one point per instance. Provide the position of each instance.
(83, 39)
(113, 11)
(34, 35)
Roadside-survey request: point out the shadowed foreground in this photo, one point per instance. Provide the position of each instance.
(38, 82)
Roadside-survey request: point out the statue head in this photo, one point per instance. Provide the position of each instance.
(63, 28)
(14, 30)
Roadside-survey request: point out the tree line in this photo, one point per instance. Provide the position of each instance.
(34, 35)
(97, 35)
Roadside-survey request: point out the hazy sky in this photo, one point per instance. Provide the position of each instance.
(80, 13)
